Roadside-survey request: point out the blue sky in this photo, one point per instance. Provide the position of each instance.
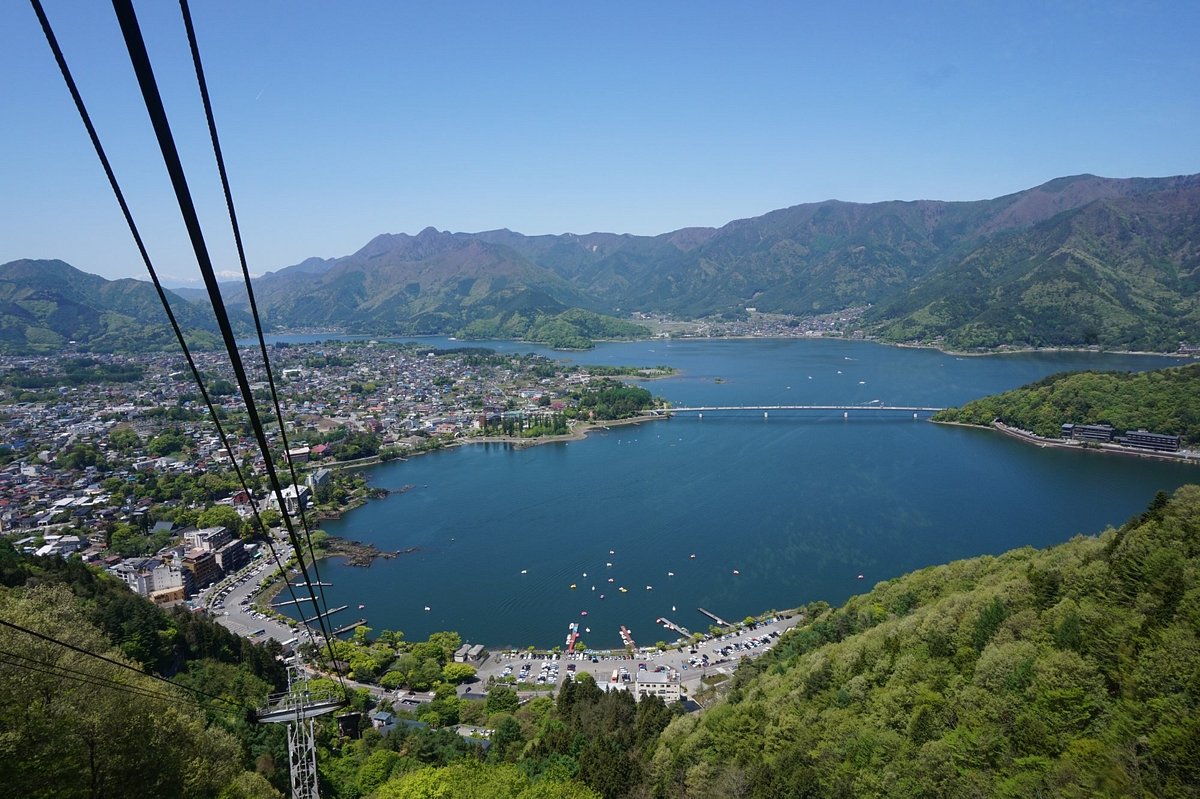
(342, 121)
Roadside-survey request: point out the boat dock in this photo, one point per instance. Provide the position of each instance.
(715, 618)
(349, 627)
(670, 625)
(627, 638)
(316, 619)
(572, 636)
(287, 602)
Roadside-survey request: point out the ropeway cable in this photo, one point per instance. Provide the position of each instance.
(237, 238)
(140, 61)
(107, 166)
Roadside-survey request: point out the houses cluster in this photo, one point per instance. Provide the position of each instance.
(757, 324)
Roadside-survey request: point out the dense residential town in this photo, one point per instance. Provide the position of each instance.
(116, 458)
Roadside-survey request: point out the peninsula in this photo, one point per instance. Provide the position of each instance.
(1154, 413)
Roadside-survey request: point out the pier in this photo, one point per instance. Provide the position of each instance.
(720, 622)
(327, 614)
(627, 638)
(349, 627)
(287, 602)
(670, 625)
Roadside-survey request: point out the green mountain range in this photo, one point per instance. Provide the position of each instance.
(46, 306)
(1078, 261)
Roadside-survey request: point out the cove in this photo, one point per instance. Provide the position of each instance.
(799, 505)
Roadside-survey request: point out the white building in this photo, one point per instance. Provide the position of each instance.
(295, 497)
(657, 683)
(210, 539)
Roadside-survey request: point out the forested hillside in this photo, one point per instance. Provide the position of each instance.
(1077, 261)
(1164, 401)
(47, 306)
(1071, 671)
(75, 726)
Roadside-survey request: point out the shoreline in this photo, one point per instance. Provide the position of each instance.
(869, 339)
(1098, 449)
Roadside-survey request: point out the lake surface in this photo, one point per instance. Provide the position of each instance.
(799, 504)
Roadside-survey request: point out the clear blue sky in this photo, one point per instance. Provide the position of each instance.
(341, 121)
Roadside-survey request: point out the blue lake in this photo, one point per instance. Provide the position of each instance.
(798, 504)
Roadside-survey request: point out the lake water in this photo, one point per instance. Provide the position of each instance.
(798, 504)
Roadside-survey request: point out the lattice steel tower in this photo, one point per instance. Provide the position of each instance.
(297, 707)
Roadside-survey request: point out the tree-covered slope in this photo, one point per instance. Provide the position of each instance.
(1163, 400)
(1070, 671)
(436, 282)
(1123, 273)
(47, 305)
(75, 726)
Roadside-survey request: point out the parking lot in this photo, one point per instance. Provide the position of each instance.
(532, 671)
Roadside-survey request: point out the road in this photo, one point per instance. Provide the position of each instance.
(228, 608)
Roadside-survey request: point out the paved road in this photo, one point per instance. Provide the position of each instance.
(241, 618)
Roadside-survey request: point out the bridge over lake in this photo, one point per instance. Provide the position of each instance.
(876, 406)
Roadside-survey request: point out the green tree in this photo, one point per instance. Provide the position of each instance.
(221, 516)
(457, 672)
(501, 699)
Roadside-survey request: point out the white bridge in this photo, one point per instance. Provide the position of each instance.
(870, 406)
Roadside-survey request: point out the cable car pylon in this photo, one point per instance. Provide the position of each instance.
(297, 707)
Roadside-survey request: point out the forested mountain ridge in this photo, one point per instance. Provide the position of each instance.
(1069, 671)
(1120, 273)
(1077, 261)
(47, 305)
(1162, 400)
